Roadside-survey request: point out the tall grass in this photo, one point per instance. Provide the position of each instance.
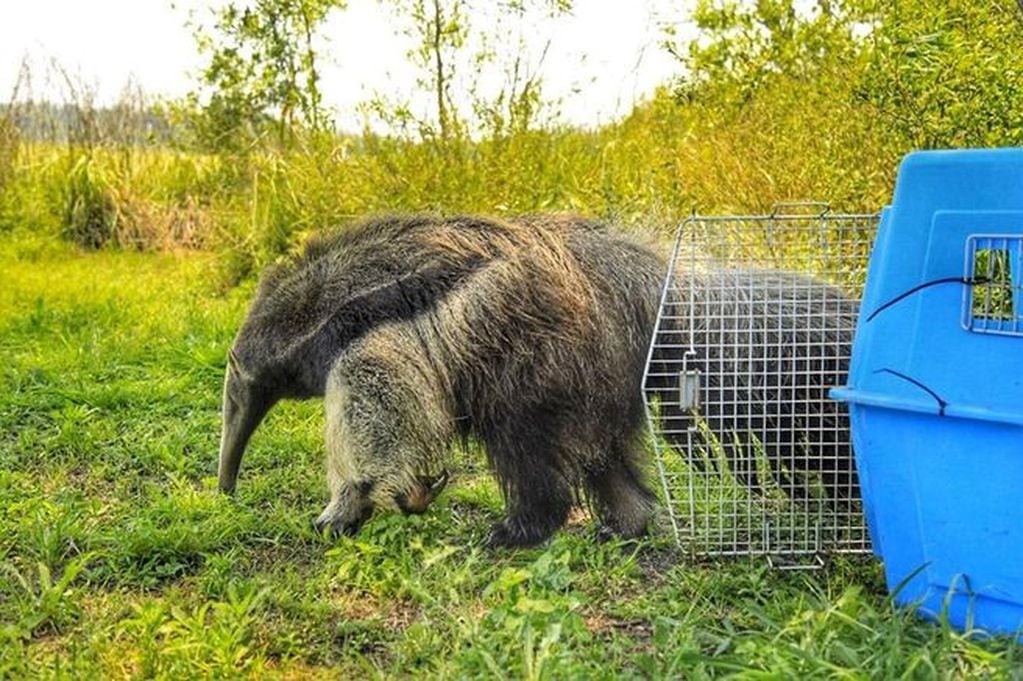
(101, 196)
(832, 130)
(657, 165)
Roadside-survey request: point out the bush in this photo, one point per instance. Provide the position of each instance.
(89, 217)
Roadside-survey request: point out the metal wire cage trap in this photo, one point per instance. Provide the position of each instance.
(755, 326)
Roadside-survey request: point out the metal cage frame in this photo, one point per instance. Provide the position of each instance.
(753, 328)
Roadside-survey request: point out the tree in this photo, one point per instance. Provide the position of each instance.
(946, 74)
(262, 70)
(441, 30)
(743, 46)
(949, 74)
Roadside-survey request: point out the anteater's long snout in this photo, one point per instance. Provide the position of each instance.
(243, 410)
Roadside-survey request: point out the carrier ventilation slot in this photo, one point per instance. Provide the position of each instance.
(994, 303)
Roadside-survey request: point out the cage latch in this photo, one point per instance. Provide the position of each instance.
(689, 389)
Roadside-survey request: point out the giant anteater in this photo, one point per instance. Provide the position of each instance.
(529, 335)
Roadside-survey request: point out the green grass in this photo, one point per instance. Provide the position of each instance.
(118, 558)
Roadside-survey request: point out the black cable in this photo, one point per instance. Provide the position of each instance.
(942, 404)
(927, 284)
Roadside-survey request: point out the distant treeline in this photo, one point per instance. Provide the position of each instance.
(124, 123)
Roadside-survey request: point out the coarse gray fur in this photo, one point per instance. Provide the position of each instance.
(527, 334)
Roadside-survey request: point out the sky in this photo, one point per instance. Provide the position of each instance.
(600, 58)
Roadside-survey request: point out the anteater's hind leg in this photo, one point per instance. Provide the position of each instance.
(622, 499)
(530, 460)
(537, 503)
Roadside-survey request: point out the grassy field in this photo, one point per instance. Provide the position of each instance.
(118, 558)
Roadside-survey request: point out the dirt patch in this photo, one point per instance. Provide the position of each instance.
(394, 615)
(602, 624)
(656, 563)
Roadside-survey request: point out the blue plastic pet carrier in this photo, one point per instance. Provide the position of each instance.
(935, 388)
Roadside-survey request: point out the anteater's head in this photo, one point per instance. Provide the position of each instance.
(247, 399)
(356, 500)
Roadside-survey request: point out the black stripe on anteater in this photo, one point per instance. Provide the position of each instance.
(311, 309)
(402, 299)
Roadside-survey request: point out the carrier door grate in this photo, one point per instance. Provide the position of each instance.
(993, 303)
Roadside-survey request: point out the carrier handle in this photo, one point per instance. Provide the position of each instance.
(788, 208)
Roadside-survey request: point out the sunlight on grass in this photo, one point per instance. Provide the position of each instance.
(118, 558)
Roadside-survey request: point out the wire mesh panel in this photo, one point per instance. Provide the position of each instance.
(755, 327)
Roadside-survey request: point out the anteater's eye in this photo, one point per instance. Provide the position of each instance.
(364, 487)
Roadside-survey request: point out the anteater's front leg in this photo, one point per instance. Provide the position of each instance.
(387, 429)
